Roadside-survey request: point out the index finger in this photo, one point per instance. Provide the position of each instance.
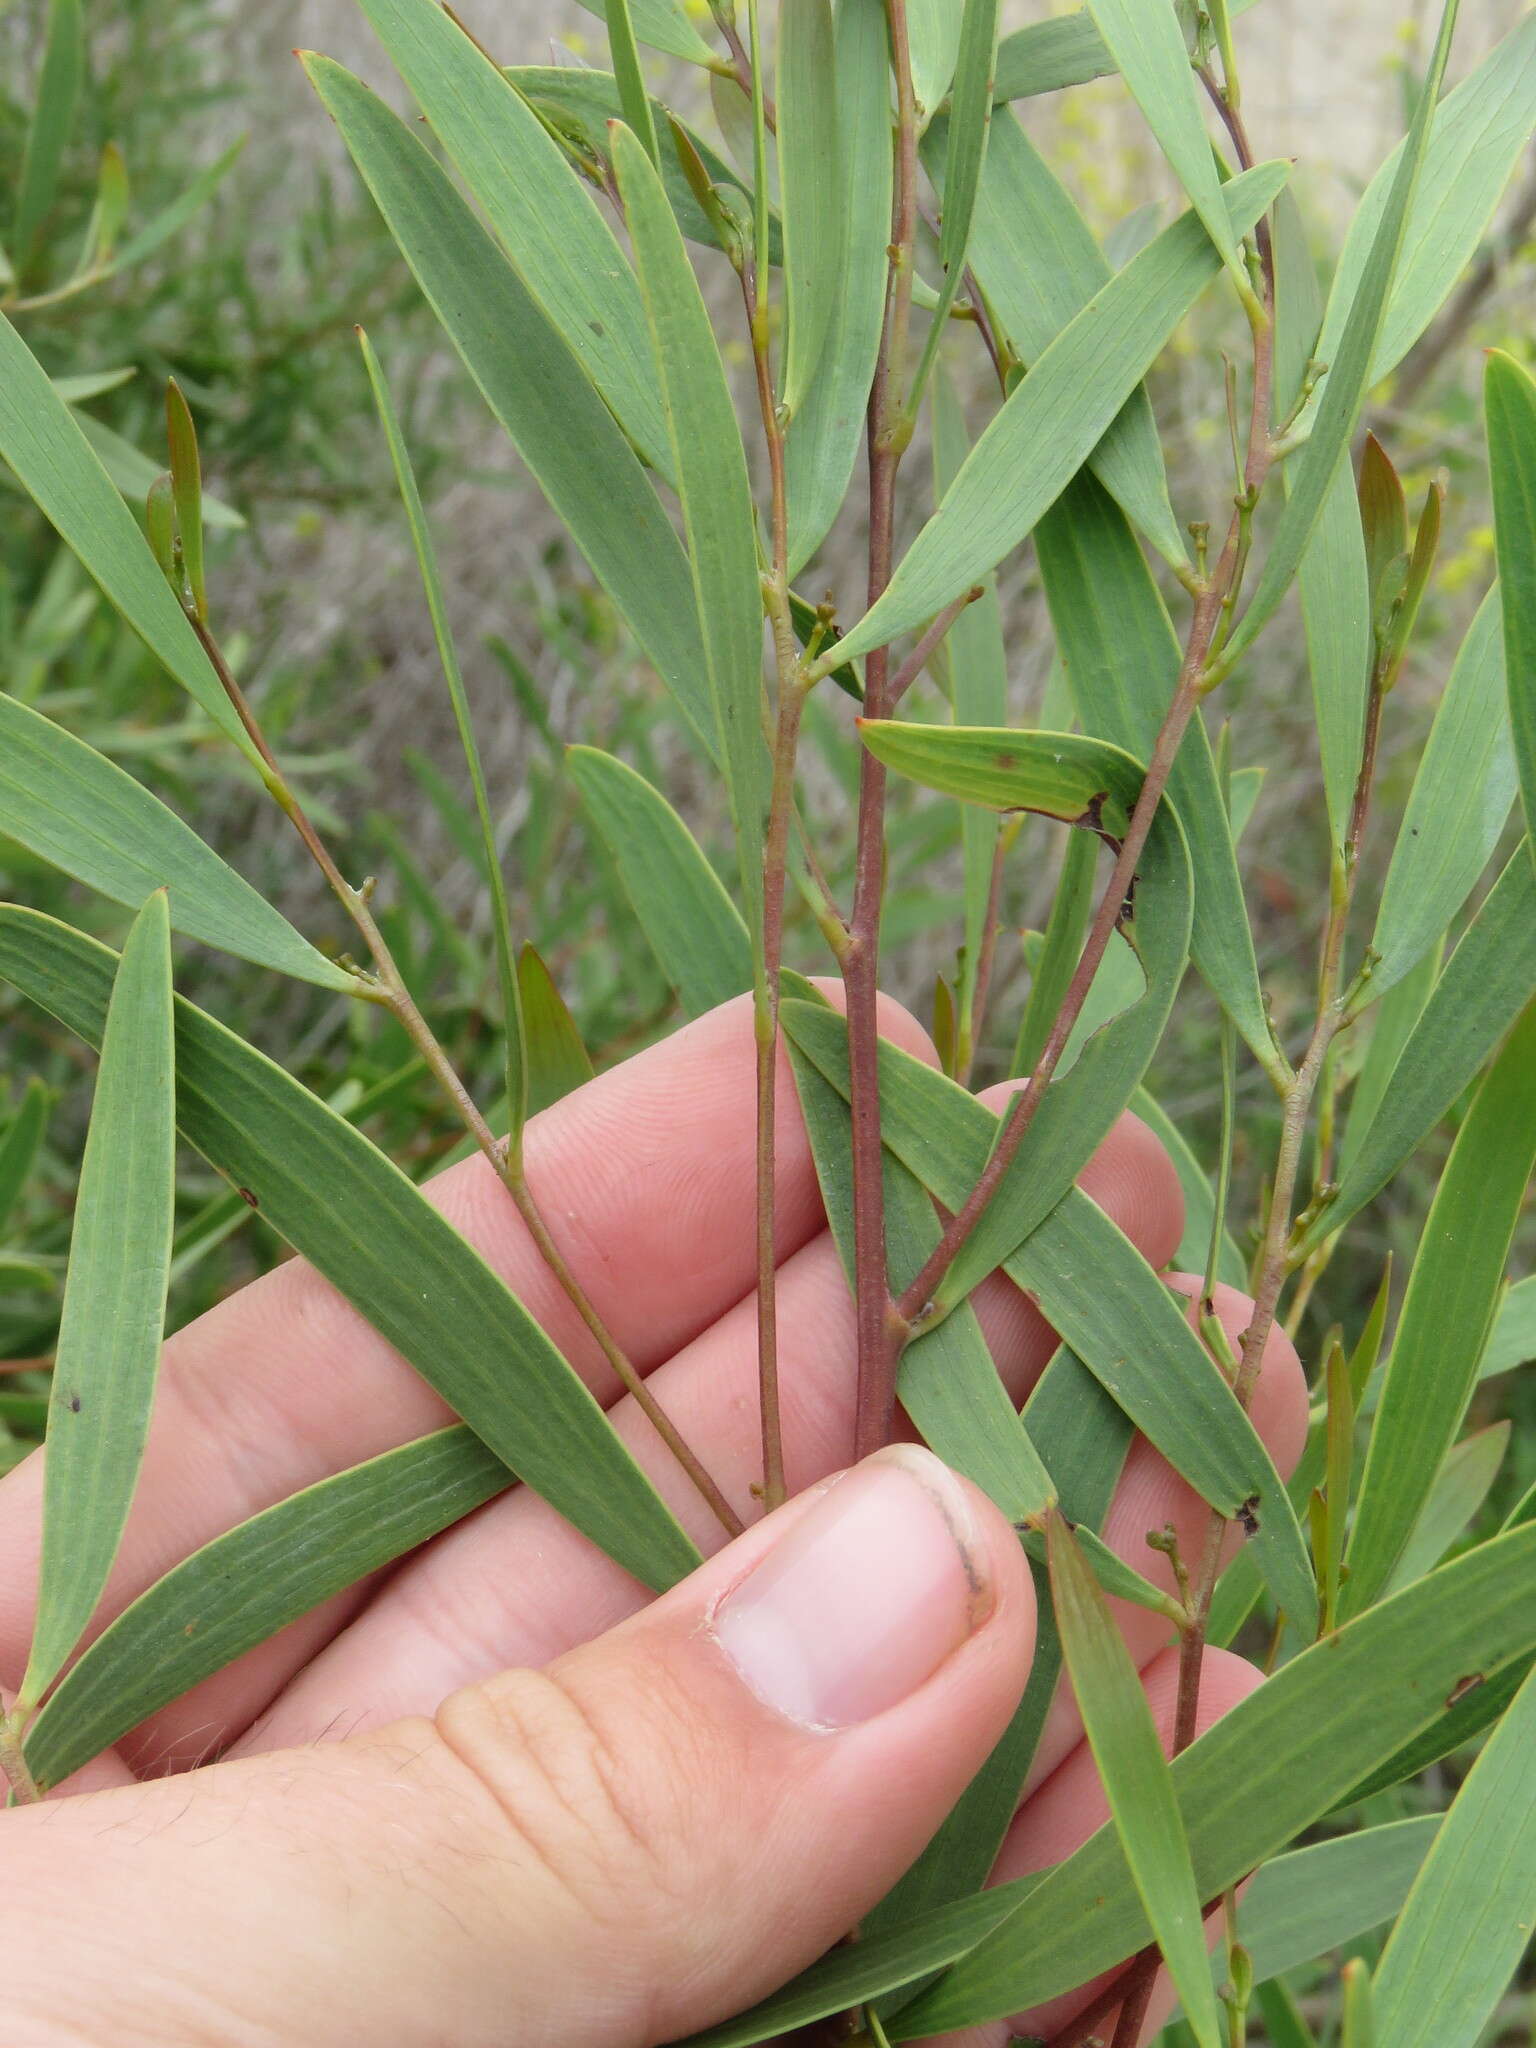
(646, 1181)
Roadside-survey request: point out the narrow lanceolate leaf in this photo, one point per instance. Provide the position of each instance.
(663, 25)
(53, 119)
(1389, 1023)
(824, 437)
(1336, 618)
(1051, 423)
(248, 1583)
(694, 929)
(187, 492)
(1467, 1922)
(710, 466)
(634, 100)
(82, 813)
(973, 660)
(1247, 1787)
(1060, 949)
(42, 441)
(1476, 138)
(558, 1062)
(515, 1058)
(376, 1238)
(1512, 1339)
(1349, 369)
(561, 247)
(1066, 50)
(808, 158)
(1079, 781)
(1461, 1486)
(970, 116)
(108, 1351)
(1039, 265)
(1096, 1290)
(1300, 1906)
(933, 34)
(20, 1146)
(1458, 808)
(1447, 1311)
(535, 385)
(1199, 1199)
(1146, 43)
(1510, 398)
(1486, 984)
(1122, 655)
(1134, 1772)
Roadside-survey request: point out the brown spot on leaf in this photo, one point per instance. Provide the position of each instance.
(248, 1198)
(1462, 1687)
(74, 1404)
(1247, 1514)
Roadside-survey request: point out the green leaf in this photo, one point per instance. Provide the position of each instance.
(1298, 313)
(1135, 1775)
(1335, 593)
(634, 100)
(1461, 1486)
(108, 1351)
(53, 120)
(1051, 969)
(560, 246)
(1512, 1340)
(809, 153)
(711, 469)
(965, 132)
(1067, 50)
(535, 386)
(172, 218)
(933, 33)
(1446, 1314)
(1285, 2026)
(1146, 45)
(1486, 984)
(558, 1062)
(42, 441)
(1317, 471)
(1458, 808)
(336, 1198)
(21, 1144)
(1467, 1922)
(83, 814)
(578, 104)
(823, 438)
(135, 474)
(1299, 1906)
(187, 493)
(664, 25)
(1254, 1780)
(1096, 1290)
(1051, 423)
(1039, 265)
(1389, 1024)
(1510, 400)
(240, 1589)
(975, 662)
(1080, 781)
(1476, 138)
(694, 929)
(1123, 656)
(515, 1061)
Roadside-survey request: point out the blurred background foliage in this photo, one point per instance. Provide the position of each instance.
(250, 306)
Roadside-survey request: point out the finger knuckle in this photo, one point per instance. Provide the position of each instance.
(563, 1768)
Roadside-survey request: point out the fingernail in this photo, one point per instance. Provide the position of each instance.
(864, 1597)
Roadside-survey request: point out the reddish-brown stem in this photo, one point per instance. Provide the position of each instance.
(879, 1345)
(922, 653)
(789, 699)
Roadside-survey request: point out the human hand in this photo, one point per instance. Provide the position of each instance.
(496, 1795)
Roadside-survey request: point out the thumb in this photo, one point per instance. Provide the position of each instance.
(638, 1840)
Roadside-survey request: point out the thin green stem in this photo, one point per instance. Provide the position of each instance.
(389, 988)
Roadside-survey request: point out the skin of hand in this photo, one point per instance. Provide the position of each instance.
(499, 1793)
